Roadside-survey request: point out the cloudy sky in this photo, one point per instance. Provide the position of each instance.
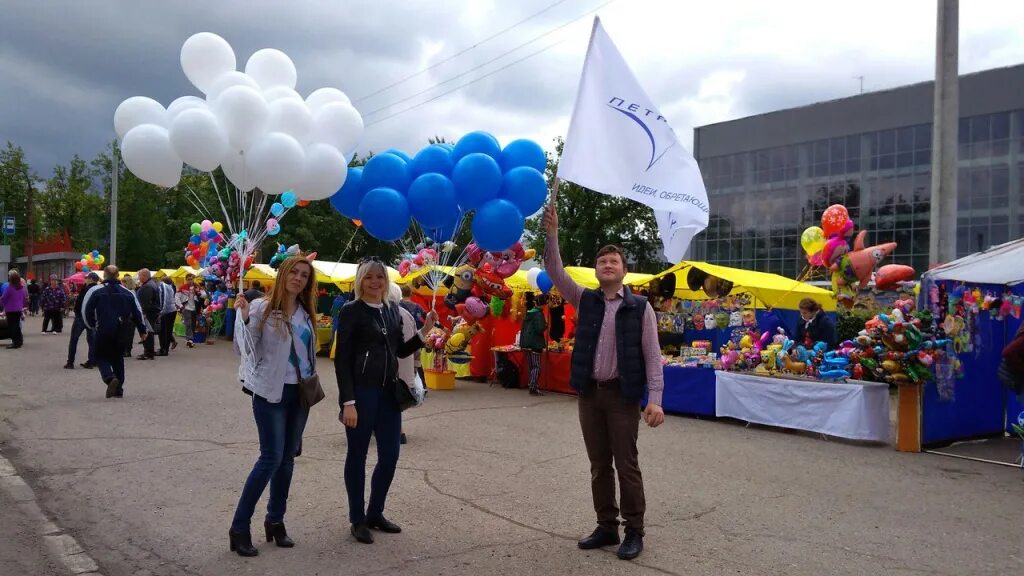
(66, 64)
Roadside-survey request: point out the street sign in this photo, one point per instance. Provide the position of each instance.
(8, 225)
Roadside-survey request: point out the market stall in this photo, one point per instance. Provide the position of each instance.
(981, 295)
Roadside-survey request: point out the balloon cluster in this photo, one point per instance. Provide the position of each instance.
(218, 300)
(538, 279)
(90, 261)
(442, 183)
(253, 124)
(829, 246)
(204, 245)
(285, 252)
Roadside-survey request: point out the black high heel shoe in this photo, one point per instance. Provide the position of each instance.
(241, 542)
(277, 534)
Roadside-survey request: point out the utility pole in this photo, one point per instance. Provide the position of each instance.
(861, 78)
(942, 236)
(30, 224)
(116, 165)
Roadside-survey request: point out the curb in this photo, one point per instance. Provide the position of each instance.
(62, 546)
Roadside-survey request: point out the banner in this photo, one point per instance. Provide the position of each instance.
(619, 144)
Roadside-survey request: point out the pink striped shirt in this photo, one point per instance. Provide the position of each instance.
(606, 360)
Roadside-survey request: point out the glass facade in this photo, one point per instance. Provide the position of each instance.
(762, 200)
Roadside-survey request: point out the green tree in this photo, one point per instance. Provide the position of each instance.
(69, 203)
(16, 177)
(589, 220)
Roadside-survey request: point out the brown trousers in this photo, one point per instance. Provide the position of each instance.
(610, 427)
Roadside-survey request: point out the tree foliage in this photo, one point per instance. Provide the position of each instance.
(589, 220)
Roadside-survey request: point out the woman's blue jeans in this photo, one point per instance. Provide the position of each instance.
(378, 416)
(280, 429)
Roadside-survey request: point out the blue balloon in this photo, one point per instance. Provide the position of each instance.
(385, 214)
(523, 153)
(277, 209)
(476, 142)
(196, 239)
(524, 187)
(477, 180)
(497, 225)
(346, 200)
(432, 200)
(398, 153)
(386, 171)
(95, 253)
(544, 282)
(289, 199)
(433, 158)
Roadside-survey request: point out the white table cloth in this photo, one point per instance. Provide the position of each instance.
(855, 410)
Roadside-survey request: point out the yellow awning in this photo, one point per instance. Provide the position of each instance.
(768, 289)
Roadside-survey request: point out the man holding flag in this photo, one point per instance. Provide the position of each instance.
(619, 144)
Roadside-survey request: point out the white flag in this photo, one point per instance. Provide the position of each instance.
(619, 144)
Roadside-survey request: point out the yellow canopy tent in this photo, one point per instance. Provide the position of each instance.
(767, 289)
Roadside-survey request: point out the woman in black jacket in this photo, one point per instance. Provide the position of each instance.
(815, 326)
(369, 343)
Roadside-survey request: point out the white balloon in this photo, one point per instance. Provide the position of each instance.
(236, 168)
(278, 92)
(179, 105)
(270, 67)
(323, 96)
(199, 139)
(148, 153)
(531, 277)
(339, 125)
(136, 111)
(227, 80)
(243, 114)
(205, 57)
(276, 162)
(324, 173)
(290, 116)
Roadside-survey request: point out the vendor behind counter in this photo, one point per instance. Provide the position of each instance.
(815, 326)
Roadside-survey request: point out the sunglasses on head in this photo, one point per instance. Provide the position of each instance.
(369, 260)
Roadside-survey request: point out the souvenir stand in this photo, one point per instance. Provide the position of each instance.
(978, 302)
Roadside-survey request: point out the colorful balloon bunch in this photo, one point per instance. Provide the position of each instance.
(283, 253)
(829, 246)
(205, 244)
(218, 300)
(90, 261)
(442, 183)
(253, 124)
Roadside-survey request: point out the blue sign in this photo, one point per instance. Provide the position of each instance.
(8, 225)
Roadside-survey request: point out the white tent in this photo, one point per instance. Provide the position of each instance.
(999, 265)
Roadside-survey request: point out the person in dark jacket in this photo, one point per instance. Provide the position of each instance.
(150, 298)
(532, 340)
(33, 297)
(369, 343)
(79, 326)
(112, 312)
(815, 326)
(54, 299)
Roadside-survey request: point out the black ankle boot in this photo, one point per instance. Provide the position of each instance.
(241, 542)
(277, 534)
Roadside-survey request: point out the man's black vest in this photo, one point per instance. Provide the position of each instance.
(628, 343)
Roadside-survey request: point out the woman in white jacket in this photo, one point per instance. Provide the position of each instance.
(276, 336)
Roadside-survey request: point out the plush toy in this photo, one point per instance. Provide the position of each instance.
(460, 285)
(504, 263)
(488, 283)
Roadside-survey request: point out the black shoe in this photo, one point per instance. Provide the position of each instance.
(535, 392)
(600, 537)
(87, 365)
(362, 533)
(384, 525)
(277, 534)
(112, 387)
(632, 546)
(161, 354)
(13, 346)
(69, 366)
(403, 439)
(127, 354)
(174, 344)
(143, 357)
(241, 542)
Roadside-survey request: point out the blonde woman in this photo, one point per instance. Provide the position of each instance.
(281, 345)
(369, 344)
